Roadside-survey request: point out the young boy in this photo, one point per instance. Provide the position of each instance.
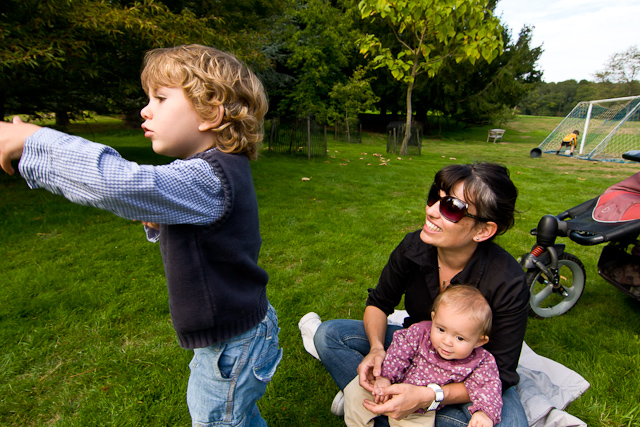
(436, 353)
(571, 141)
(206, 108)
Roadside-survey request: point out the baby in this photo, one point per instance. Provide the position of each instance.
(447, 349)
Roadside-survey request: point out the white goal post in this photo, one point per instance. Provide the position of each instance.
(608, 128)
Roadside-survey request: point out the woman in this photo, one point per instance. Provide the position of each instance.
(468, 205)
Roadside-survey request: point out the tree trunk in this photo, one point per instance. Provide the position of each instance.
(407, 132)
(131, 119)
(346, 123)
(3, 111)
(62, 119)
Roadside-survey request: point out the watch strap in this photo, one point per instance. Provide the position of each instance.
(439, 397)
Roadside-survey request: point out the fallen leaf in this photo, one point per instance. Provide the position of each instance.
(304, 178)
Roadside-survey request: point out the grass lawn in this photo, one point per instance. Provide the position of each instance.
(84, 323)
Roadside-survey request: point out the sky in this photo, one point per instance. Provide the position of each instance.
(577, 36)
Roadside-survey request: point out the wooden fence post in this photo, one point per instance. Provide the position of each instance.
(308, 137)
(325, 140)
(394, 140)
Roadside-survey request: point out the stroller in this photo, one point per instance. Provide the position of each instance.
(556, 278)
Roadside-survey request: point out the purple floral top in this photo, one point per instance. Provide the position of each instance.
(413, 360)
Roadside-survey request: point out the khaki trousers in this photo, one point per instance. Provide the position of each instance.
(356, 415)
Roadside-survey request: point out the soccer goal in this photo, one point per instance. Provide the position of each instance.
(608, 128)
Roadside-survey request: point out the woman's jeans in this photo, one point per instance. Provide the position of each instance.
(229, 377)
(343, 343)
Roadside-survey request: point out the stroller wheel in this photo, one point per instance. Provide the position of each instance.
(549, 301)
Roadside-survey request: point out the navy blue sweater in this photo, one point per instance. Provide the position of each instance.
(216, 288)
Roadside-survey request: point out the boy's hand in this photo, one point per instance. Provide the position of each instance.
(12, 136)
(480, 419)
(153, 225)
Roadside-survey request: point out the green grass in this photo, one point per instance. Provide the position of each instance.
(84, 322)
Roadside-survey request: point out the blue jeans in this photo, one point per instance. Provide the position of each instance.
(229, 377)
(343, 343)
(512, 415)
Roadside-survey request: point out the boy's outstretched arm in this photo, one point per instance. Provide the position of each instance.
(12, 137)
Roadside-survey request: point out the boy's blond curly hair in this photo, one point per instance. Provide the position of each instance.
(210, 78)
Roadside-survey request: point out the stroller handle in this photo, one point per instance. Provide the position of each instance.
(624, 231)
(588, 239)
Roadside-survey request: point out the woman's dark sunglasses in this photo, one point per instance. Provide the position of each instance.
(451, 208)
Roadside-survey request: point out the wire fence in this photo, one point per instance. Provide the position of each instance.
(305, 137)
(395, 138)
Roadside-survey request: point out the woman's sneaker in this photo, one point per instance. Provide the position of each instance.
(337, 406)
(308, 326)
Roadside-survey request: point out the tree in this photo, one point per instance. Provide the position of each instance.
(558, 99)
(427, 33)
(623, 67)
(67, 56)
(481, 93)
(317, 48)
(353, 97)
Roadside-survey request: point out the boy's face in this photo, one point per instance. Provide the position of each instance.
(454, 335)
(173, 126)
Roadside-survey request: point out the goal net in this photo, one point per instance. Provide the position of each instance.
(608, 128)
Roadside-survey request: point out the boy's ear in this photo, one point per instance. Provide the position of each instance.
(486, 231)
(433, 314)
(482, 341)
(208, 125)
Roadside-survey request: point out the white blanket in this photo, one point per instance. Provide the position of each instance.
(546, 387)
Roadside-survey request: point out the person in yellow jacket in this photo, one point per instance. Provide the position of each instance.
(571, 140)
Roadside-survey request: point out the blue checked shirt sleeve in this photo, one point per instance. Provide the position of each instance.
(182, 192)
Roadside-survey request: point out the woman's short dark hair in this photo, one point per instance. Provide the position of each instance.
(487, 186)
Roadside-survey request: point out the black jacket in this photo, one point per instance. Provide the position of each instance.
(412, 272)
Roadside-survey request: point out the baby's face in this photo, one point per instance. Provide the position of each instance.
(454, 335)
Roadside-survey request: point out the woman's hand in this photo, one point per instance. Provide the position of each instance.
(405, 400)
(370, 368)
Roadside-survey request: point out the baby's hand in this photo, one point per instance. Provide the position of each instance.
(378, 390)
(480, 419)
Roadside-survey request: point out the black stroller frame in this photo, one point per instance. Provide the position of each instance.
(557, 278)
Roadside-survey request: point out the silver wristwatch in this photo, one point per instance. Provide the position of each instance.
(439, 397)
